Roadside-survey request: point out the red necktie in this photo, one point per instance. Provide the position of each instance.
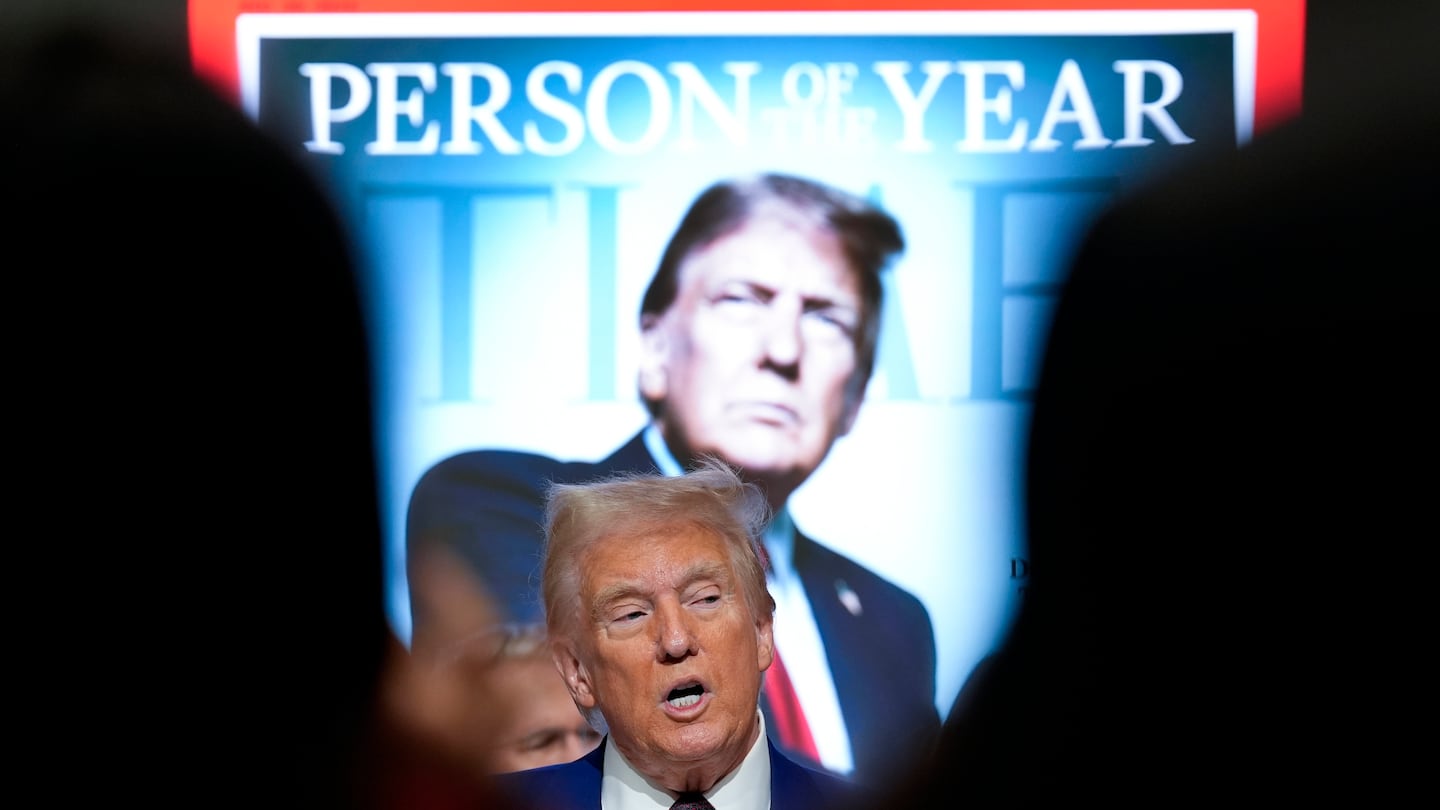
(791, 729)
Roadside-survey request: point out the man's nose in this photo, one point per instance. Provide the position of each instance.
(676, 638)
(783, 341)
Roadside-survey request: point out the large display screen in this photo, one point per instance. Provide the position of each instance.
(515, 170)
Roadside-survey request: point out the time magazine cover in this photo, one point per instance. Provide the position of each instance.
(514, 175)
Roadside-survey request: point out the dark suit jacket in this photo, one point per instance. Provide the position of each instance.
(576, 785)
(487, 507)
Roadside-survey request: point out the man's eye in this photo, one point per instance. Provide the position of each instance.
(536, 742)
(741, 294)
(737, 299)
(831, 319)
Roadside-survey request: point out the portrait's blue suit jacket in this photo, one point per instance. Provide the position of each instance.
(576, 785)
(486, 506)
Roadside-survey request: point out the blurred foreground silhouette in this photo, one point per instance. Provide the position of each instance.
(1230, 467)
(190, 377)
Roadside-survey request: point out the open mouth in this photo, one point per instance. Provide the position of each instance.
(683, 697)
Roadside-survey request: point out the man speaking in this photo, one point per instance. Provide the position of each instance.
(758, 337)
(661, 627)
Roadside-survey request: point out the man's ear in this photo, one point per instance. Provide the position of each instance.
(654, 358)
(577, 679)
(764, 633)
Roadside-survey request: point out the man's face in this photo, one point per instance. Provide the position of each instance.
(669, 651)
(755, 359)
(539, 722)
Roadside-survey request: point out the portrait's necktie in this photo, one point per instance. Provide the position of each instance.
(692, 801)
(791, 730)
(792, 733)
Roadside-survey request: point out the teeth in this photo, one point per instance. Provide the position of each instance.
(685, 701)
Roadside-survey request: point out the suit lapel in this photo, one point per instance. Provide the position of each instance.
(589, 776)
(785, 789)
(631, 457)
(839, 622)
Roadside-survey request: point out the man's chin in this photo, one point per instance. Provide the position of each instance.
(760, 447)
(702, 742)
(688, 751)
(762, 461)
(695, 745)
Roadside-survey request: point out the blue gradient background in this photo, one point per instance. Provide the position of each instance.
(503, 290)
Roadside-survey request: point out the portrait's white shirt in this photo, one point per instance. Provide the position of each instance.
(745, 788)
(797, 637)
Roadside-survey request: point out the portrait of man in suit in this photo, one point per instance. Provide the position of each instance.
(758, 338)
(661, 627)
